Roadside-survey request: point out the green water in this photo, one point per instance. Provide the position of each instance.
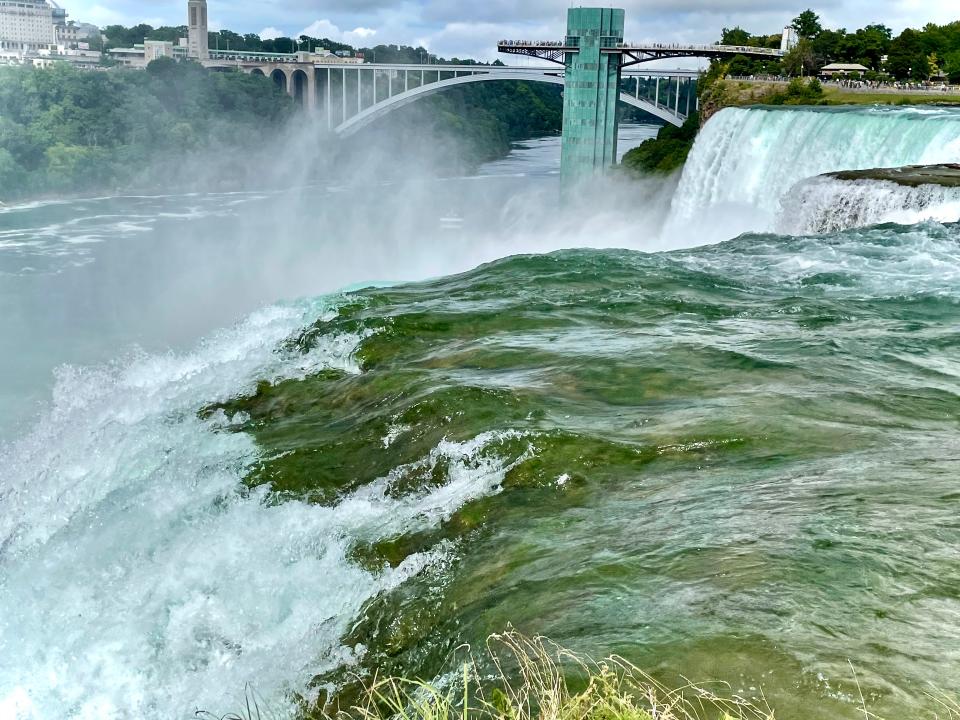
(736, 463)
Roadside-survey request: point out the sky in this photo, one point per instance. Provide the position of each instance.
(471, 28)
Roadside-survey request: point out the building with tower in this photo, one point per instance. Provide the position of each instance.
(197, 43)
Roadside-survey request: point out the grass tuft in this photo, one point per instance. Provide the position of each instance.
(535, 679)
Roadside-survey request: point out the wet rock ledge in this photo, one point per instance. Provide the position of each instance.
(910, 176)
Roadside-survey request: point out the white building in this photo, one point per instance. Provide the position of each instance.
(142, 54)
(26, 26)
(154, 49)
(129, 57)
(790, 39)
(198, 43)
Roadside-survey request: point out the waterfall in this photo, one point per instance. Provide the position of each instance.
(746, 161)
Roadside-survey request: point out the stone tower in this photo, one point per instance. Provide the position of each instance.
(591, 92)
(197, 46)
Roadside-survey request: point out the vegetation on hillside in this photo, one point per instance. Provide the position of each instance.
(913, 55)
(64, 130)
(665, 153)
(67, 131)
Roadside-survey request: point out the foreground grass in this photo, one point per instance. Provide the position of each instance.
(535, 679)
(528, 679)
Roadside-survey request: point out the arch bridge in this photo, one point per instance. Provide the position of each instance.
(349, 99)
(593, 63)
(349, 96)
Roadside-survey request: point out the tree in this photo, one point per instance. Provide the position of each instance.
(907, 59)
(801, 60)
(871, 43)
(828, 45)
(735, 36)
(120, 36)
(741, 66)
(11, 174)
(168, 33)
(162, 67)
(951, 66)
(252, 42)
(807, 24)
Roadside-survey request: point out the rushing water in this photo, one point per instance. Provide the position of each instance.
(827, 204)
(730, 462)
(744, 166)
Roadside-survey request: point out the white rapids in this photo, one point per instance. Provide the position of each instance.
(140, 577)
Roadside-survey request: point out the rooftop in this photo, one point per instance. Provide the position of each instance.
(845, 67)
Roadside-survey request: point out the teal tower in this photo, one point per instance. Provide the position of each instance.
(591, 91)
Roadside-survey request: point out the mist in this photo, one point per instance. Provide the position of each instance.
(296, 213)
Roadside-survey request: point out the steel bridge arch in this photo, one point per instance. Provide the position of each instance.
(378, 110)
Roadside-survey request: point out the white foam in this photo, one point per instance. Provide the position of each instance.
(827, 204)
(142, 579)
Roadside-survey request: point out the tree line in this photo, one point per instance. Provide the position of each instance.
(64, 130)
(913, 55)
(115, 36)
(68, 131)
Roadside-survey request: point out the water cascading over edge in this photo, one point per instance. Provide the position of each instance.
(746, 161)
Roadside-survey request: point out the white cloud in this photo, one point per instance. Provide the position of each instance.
(326, 29)
(270, 33)
(322, 29)
(479, 40)
(102, 16)
(357, 36)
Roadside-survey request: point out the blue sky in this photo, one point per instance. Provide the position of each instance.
(471, 28)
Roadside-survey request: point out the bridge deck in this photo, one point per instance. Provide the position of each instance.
(633, 53)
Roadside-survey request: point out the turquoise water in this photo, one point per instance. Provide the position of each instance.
(728, 462)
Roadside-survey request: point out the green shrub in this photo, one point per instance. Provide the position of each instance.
(665, 153)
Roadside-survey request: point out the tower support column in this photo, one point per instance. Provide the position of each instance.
(591, 91)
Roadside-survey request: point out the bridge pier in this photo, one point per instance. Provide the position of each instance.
(591, 91)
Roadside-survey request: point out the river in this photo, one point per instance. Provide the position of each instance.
(265, 439)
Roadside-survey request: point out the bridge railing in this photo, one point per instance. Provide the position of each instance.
(252, 56)
(574, 42)
(706, 49)
(610, 46)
